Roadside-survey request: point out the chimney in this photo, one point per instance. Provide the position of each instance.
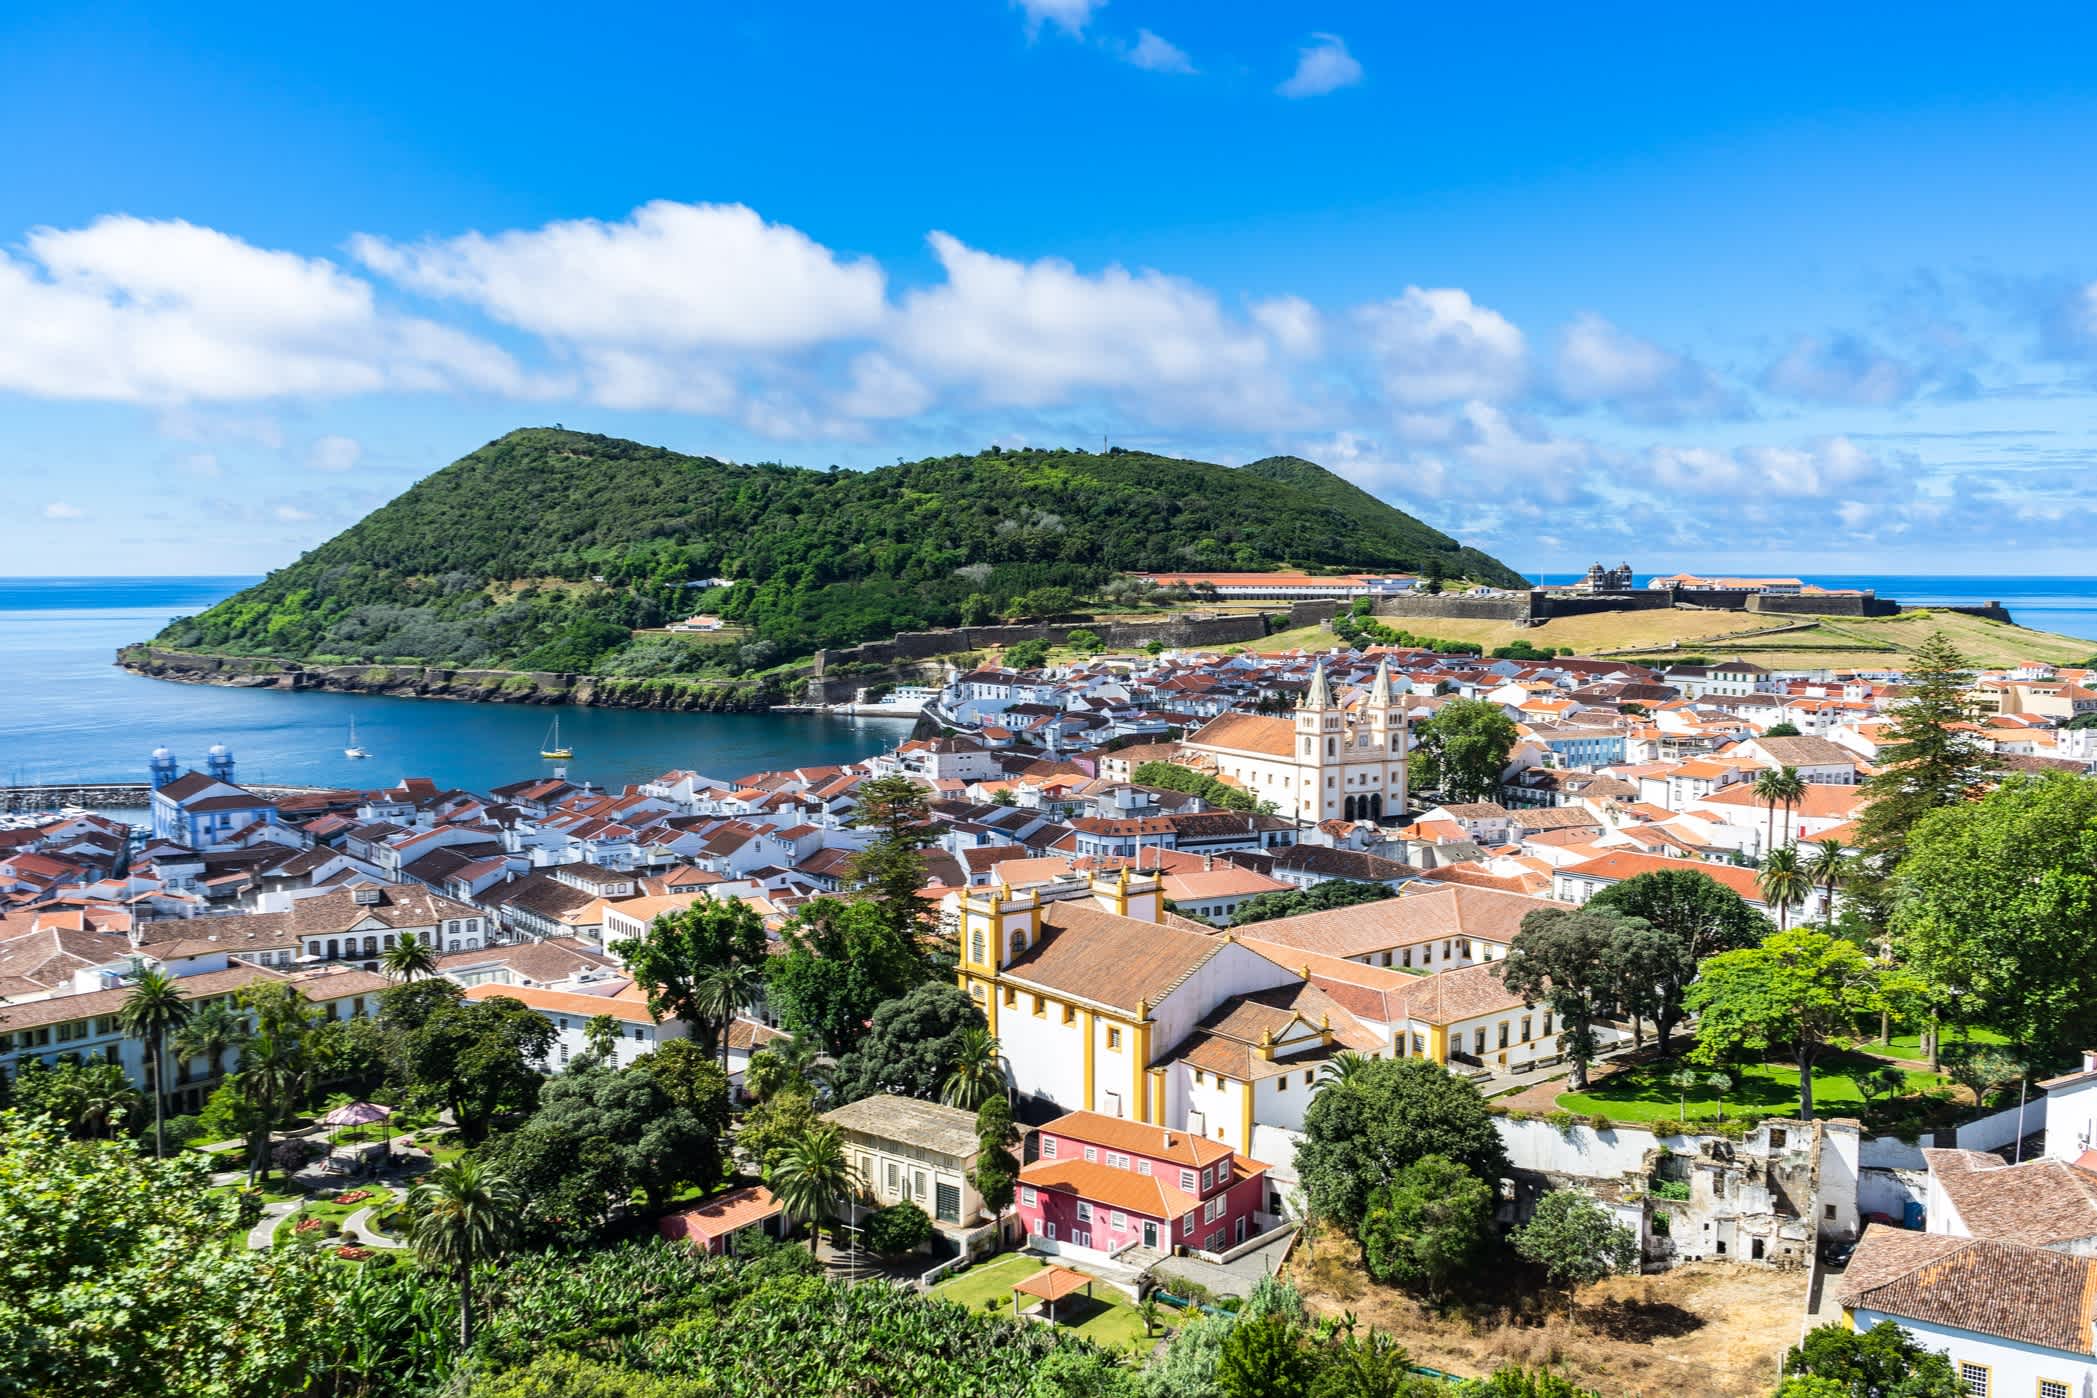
(1168, 1140)
(1208, 862)
(2089, 1060)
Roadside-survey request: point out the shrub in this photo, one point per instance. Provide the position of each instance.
(897, 1229)
(1561, 1119)
(184, 1130)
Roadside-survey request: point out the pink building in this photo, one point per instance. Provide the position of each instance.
(1103, 1183)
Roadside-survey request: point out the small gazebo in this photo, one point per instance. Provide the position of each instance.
(1051, 1284)
(353, 1114)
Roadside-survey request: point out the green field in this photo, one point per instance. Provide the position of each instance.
(1643, 1093)
(1106, 1318)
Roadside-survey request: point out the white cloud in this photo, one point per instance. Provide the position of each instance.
(1322, 66)
(1158, 54)
(167, 312)
(1292, 322)
(59, 509)
(1843, 369)
(670, 276)
(1597, 362)
(291, 514)
(1831, 466)
(882, 388)
(1071, 16)
(1032, 334)
(1438, 346)
(334, 453)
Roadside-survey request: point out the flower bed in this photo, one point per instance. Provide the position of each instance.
(309, 1225)
(353, 1196)
(352, 1253)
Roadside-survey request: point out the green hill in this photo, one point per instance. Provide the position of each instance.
(546, 548)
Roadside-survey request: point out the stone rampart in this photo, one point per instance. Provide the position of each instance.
(1172, 631)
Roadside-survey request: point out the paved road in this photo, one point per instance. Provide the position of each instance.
(264, 1233)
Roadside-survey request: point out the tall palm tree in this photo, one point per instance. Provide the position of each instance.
(1827, 867)
(813, 1177)
(721, 995)
(272, 1070)
(1769, 790)
(1783, 882)
(462, 1214)
(153, 1010)
(1343, 1066)
(601, 1036)
(977, 1072)
(212, 1032)
(409, 959)
(788, 1063)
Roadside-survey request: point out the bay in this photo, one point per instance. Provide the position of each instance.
(68, 714)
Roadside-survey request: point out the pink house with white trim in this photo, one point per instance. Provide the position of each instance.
(1102, 1184)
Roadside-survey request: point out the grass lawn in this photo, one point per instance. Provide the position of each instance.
(1107, 1318)
(1909, 1045)
(1643, 1093)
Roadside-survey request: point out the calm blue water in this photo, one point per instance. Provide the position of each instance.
(2066, 605)
(67, 713)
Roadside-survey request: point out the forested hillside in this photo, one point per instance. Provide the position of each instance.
(546, 548)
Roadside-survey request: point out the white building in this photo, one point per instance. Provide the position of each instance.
(1325, 763)
(570, 1012)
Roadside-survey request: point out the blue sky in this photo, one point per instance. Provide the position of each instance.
(1783, 289)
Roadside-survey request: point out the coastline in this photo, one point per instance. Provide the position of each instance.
(475, 686)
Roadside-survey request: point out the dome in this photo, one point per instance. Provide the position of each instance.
(217, 750)
(161, 754)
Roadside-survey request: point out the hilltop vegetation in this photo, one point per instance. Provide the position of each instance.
(547, 548)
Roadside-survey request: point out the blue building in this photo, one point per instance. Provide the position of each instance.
(201, 810)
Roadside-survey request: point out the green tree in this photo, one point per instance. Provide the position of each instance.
(842, 960)
(996, 1171)
(691, 1078)
(1783, 882)
(127, 1274)
(1463, 749)
(562, 1374)
(911, 1044)
(672, 960)
(770, 1127)
(1702, 915)
(213, 1031)
(976, 1074)
(90, 1100)
(790, 1065)
(1928, 761)
(480, 1058)
(1981, 1069)
(154, 1009)
(1318, 898)
(1026, 655)
(1265, 1358)
(1882, 1362)
(1778, 786)
(461, 1215)
(1826, 867)
(1514, 1381)
(601, 1035)
(1997, 910)
(1428, 1227)
(1084, 641)
(409, 959)
(1781, 730)
(1575, 1240)
(813, 1178)
(891, 869)
(1567, 958)
(1359, 1132)
(723, 992)
(1801, 989)
(898, 1229)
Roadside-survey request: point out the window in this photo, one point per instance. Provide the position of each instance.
(1306, 1077)
(1092, 1155)
(1281, 1084)
(1478, 1040)
(1070, 1014)
(1525, 1029)
(1026, 1195)
(1199, 1078)
(920, 1182)
(1211, 1208)
(1084, 1212)
(1048, 1147)
(1208, 1178)
(1974, 1379)
(1117, 1161)
(1503, 1033)
(1113, 1038)
(1048, 1231)
(978, 947)
(2052, 1388)
(895, 1176)
(1143, 1167)
(1119, 1219)
(1040, 1007)
(1011, 997)
(1187, 1181)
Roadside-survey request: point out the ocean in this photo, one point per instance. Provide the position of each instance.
(68, 714)
(2066, 605)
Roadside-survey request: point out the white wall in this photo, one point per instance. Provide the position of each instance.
(2015, 1368)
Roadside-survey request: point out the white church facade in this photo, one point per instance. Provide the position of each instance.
(1327, 762)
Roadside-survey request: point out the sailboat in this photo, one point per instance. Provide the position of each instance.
(552, 745)
(354, 748)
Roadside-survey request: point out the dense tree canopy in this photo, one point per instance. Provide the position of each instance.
(1930, 759)
(911, 1045)
(1571, 959)
(1318, 898)
(1801, 990)
(478, 1058)
(1429, 1226)
(1363, 1128)
(1700, 916)
(1462, 751)
(1575, 1240)
(842, 961)
(684, 955)
(548, 546)
(1882, 1362)
(1996, 907)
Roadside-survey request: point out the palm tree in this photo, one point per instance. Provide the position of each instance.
(462, 1214)
(601, 1036)
(1783, 883)
(1769, 790)
(1342, 1066)
(976, 1074)
(1148, 1311)
(272, 1069)
(1827, 867)
(212, 1032)
(409, 959)
(721, 995)
(153, 1010)
(787, 1063)
(105, 1098)
(812, 1177)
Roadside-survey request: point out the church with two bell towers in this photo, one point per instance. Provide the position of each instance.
(1326, 762)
